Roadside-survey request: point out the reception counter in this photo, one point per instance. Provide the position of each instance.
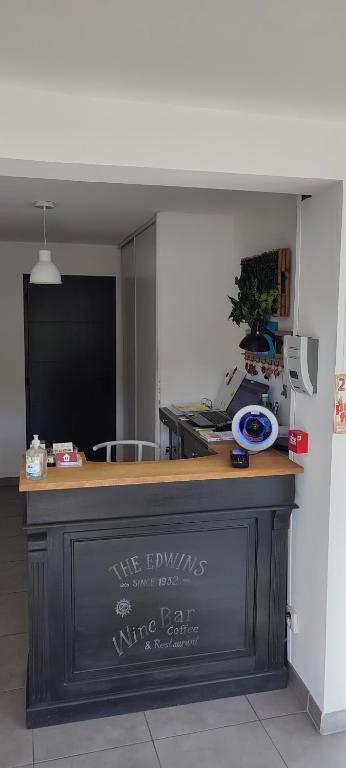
(155, 584)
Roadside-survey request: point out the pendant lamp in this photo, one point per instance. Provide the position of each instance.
(45, 272)
(256, 341)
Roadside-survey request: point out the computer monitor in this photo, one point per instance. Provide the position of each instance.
(249, 393)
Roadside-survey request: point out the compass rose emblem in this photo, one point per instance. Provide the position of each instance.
(123, 607)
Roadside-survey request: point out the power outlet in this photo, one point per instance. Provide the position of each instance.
(292, 619)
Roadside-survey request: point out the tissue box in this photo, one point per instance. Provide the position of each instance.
(67, 459)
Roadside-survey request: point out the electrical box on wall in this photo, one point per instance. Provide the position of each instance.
(298, 441)
(301, 363)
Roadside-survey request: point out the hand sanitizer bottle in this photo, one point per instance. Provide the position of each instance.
(44, 457)
(35, 461)
(45, 453)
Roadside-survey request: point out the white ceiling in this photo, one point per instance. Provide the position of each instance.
(98, 212)
(272, 56)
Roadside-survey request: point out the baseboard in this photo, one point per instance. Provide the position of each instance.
(304, 697)
(9, 481)
(301, 691)
(315, 713)
(331, 722)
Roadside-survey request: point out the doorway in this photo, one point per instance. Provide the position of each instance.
(70, 361)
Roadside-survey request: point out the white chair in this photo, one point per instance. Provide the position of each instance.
(140, 443)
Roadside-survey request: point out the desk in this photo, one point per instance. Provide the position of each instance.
(185, 442)
(174, 425)
(155, 584)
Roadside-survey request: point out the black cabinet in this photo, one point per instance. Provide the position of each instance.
(146, 596)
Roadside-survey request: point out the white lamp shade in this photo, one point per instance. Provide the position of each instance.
(45, 272)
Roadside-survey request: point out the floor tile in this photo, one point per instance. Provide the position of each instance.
(9, 491)
(12, 506)
(13, 577)
(11, 526)
(301, 746)
(13, 661)
(89, 736)
(201, 716)
(12, 549)
(13, 614)
(274, 703)
(15, 738)
(134, 756)
(236, 746)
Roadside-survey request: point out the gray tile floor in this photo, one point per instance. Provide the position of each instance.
(264, 730)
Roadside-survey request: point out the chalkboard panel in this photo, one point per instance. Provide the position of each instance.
(155, 598)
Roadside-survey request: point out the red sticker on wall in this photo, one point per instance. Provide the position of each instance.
(340, 404)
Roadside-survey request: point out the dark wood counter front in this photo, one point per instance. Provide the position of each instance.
(156, 584)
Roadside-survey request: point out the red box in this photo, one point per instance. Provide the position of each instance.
(298, 441)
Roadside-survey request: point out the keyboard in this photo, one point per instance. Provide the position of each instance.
(217, 417)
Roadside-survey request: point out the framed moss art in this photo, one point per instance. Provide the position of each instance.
(264, 287)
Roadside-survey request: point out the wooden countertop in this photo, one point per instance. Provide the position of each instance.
(216, 466)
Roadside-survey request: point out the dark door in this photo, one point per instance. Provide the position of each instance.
(70, 361)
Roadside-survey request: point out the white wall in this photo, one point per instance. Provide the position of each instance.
(317, 300)
(195, 271)
(335, 667)
(121, 140)
(17, 259)
(128, 304)
(147, 406)
(335, 673)
(198, 259)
